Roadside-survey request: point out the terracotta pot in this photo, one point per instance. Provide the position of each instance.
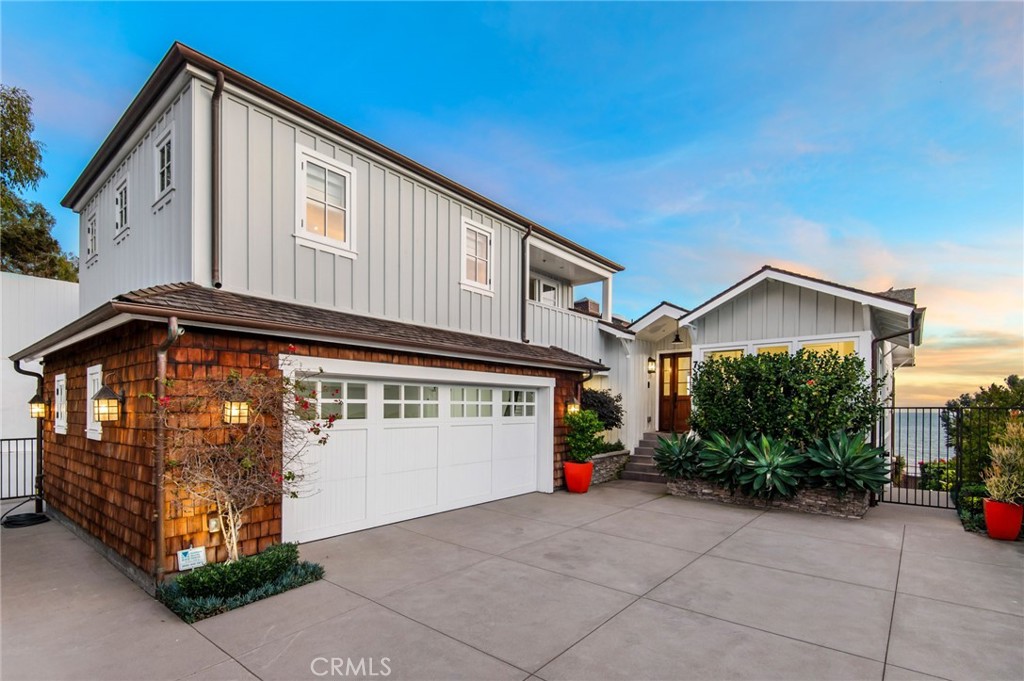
(1002, 520)
(578, 476)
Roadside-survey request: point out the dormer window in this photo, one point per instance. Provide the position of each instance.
(477, 257)
(325, 210)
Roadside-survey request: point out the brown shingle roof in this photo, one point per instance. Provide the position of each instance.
(192, 302)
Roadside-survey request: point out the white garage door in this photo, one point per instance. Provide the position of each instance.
(400, 449)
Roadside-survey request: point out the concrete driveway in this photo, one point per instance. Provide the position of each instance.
(621, 583)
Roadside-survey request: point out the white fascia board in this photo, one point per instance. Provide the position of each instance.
(107, 325)
(551, 247)
(663, 310)
(618, 333)
(839, 292)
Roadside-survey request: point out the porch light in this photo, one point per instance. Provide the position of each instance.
(572, 406)
(677, 340)
(106, 404)
(236, 413)
(652, 366)
(37, 407)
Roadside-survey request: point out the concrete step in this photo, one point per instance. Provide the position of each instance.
(643, 451)
(643, 477)
(641, 458)
(640, 467)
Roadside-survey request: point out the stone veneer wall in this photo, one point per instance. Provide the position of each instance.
(608, 466)
(818, 500)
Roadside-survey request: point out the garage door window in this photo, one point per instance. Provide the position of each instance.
(410, 401)
(470, 403)
(340, 399)
(518, 402)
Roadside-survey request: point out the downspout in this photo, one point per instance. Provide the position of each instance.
(525, 282)
(215, 179)
(39, 436)
(173, 334)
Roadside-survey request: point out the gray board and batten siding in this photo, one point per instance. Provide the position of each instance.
(156, 247)
(774, 309)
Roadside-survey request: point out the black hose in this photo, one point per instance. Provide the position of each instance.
(23, 519)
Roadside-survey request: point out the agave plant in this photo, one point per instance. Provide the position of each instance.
(771, 468)
(676, 457)
(848, 463)
(721, 459)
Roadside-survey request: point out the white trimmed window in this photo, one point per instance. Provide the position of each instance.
(410, 401)
(544, 291)
(477, 257)
(731, 353)
(325, 208)
(164, 165)
(90, 238)
(842, 347)
(518, 402)
(93, 383)
(121, 208)
(60, 404)
(469, 402)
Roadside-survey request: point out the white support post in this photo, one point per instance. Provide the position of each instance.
(606, 299)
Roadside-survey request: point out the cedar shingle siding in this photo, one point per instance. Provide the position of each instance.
(106, 486)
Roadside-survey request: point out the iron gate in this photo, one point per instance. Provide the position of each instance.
(936, 451)
(17, 467)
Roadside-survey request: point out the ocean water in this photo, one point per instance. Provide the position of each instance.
(917, 435)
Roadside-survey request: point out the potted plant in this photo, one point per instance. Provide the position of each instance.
(582, 443)
(1004, 479)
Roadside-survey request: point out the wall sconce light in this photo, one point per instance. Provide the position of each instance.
(37, 407)
(236, 413)
(106, 404)
(572, 406)
(652, 366)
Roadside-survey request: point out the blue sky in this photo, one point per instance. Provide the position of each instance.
(872, 144)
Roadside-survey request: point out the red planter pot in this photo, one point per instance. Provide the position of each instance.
(1002, 520)
(578, 476)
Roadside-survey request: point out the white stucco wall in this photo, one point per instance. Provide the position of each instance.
(30, 308)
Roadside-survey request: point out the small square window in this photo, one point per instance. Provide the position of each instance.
(392, 411)
(356, 411)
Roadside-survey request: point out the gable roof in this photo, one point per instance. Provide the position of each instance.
(179, 56)
(656, 314)
(217, 308)
(882, 301)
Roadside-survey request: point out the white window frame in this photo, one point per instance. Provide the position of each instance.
(470, 284)
(91, 238)
(346, 248)
(60, 404)
(93, 382)
(538, 281)
(122, 206)
(164, 140)
(403, 401)
(861, 344)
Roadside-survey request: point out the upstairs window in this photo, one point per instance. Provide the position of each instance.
(478, 256)
(164, 165)
(324, 191)
(544, 291)
(90, 238)
(121, 208)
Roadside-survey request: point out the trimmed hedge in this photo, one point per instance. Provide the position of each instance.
(219, 587)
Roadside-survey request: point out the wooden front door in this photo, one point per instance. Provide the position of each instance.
(674, 392)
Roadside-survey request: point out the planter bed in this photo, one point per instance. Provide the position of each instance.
(821, 501)
(608, 466)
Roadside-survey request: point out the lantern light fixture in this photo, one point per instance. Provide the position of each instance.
(37, 406)
(106, 404)
(677, 340)
(572, 406)
(652, 365)
(236, 413)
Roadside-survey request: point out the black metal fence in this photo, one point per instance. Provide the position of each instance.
(17, 467)
(935, 451)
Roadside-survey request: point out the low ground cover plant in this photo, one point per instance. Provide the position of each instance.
(219, 587)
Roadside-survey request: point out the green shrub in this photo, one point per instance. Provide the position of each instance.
(802, 397)
(224, 580)
(772, 469)
(677, 457)
(581, 439)
(608, 407)
(970, 430)
(847, 464)
(938, 475)
(194, 608)
(616, 446)
(721, 459)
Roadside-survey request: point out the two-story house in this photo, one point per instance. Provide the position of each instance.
(225, 226)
